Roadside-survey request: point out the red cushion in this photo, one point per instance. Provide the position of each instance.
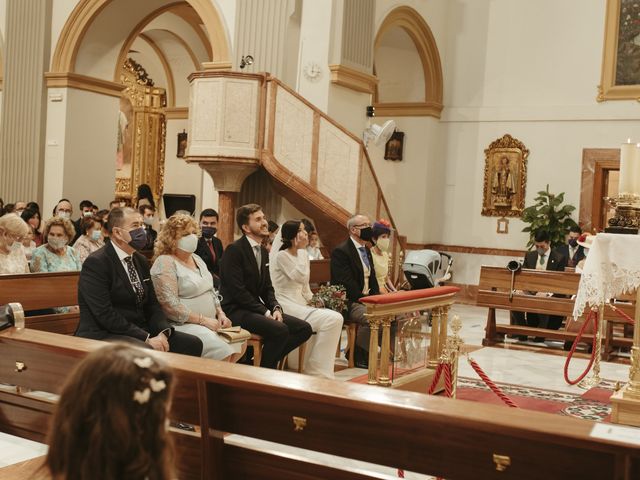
(408, 295)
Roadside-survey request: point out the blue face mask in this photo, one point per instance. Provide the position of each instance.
(138, 238)
(96, 235)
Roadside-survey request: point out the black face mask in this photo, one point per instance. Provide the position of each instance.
(138, 238)
(573, 242)
(209, 232)
(366, 234)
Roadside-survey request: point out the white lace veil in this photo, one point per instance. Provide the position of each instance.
(275, 248)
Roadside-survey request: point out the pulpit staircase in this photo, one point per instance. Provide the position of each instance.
(240, 122)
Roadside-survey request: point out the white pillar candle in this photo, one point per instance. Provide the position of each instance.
(627, 158)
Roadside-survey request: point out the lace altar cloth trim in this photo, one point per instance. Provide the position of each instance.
(612, 268)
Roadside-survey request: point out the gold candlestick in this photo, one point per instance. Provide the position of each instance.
(633, 387)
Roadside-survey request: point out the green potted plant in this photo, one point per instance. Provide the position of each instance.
(550, 215)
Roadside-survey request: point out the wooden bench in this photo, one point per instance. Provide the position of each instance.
(493, 292)
(44, 291)
(416, 432)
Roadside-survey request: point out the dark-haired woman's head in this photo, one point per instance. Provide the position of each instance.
(111, 420)
(293, 232)
(32, 217)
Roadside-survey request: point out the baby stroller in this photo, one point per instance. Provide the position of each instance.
(426, 268)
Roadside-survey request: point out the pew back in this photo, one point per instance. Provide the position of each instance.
(44, 291)
(431, 435)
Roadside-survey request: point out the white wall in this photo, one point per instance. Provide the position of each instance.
(80, 148)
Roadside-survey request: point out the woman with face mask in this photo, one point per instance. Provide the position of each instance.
(56, 255)
(91, 238)
(184, 287)
(381, 254)
(13, 230)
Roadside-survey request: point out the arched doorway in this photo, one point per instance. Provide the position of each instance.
(169, 40)
(407, 64)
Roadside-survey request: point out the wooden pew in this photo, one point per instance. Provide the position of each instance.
(320, 272)
(493, 292)
(416, 432)
(41, 291)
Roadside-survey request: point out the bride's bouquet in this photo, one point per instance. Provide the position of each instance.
(333, 297)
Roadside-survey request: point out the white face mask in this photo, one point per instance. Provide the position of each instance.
(66, 215)
(57, 243)
(148, 220)
(383, 244)
(96, 235)
(188, 243)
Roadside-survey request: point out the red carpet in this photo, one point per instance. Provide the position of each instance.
(592, 405)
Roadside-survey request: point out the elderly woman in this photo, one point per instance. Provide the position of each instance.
(90, 238)
(13, 231)
(380, 252)
(56, 255)
(184, 287)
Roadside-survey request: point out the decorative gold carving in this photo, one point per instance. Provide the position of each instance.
(353, 79)
(145, 164)
(299, 423)
(374, 325)
(502, 462)
(505, 178)
(176, 113)
(412, 22)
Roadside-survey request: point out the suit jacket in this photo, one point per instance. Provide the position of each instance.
(346, 270)
(108, 302)
(242, 286)
(205, 254)
(556, 261)
(151, 237)
(579, 255)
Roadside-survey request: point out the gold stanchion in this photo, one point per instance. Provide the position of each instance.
(373, 349)
(384, 352)
(594, 379)
(456, 343)
(434, 350)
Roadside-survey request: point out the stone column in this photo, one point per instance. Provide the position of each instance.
(23, 121)
(227, 178)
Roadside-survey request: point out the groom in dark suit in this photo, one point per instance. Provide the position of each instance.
(352, 267)
(248, 298)
(116, 297)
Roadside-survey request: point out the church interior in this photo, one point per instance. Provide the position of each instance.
(489, 145)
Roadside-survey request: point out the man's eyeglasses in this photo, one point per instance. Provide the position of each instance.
(364, 225)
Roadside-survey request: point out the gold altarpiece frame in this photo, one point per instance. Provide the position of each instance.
(142, 130)
(505, 178)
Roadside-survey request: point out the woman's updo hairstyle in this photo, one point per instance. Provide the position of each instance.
(289, 231)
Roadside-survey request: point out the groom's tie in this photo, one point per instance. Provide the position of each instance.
(258, 255)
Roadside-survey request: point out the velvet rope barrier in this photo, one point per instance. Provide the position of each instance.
(494, 388)
(593, 315)
(448, 386)
(436, 379)
(621, 314)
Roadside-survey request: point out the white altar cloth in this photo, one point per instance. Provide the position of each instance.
(612, 268)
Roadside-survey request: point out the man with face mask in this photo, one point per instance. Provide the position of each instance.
(542, 258)
(63, 209)
(571, 250)
(353, 268)
(209, 246)
(116, 296)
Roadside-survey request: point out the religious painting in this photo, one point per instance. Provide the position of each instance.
(621, 56)
(505, 178)
(394, 146)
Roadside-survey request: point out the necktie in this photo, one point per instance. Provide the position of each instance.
(365, 257)
(542, 257)
(258, 255)
(135, 280)
(213, 253)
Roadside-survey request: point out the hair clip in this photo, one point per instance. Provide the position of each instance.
(142, 397)
(145, 362)
(157, 385)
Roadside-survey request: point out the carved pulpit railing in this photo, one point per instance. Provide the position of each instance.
(240, 122)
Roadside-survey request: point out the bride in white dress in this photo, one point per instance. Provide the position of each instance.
(289, 267)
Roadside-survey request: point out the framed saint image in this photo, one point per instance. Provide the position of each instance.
(394, 146)
(505, 178)
(620, 78)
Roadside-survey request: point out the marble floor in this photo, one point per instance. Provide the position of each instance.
(520, 363)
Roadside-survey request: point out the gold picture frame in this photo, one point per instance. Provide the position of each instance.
(505, 177)
(620, 79)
